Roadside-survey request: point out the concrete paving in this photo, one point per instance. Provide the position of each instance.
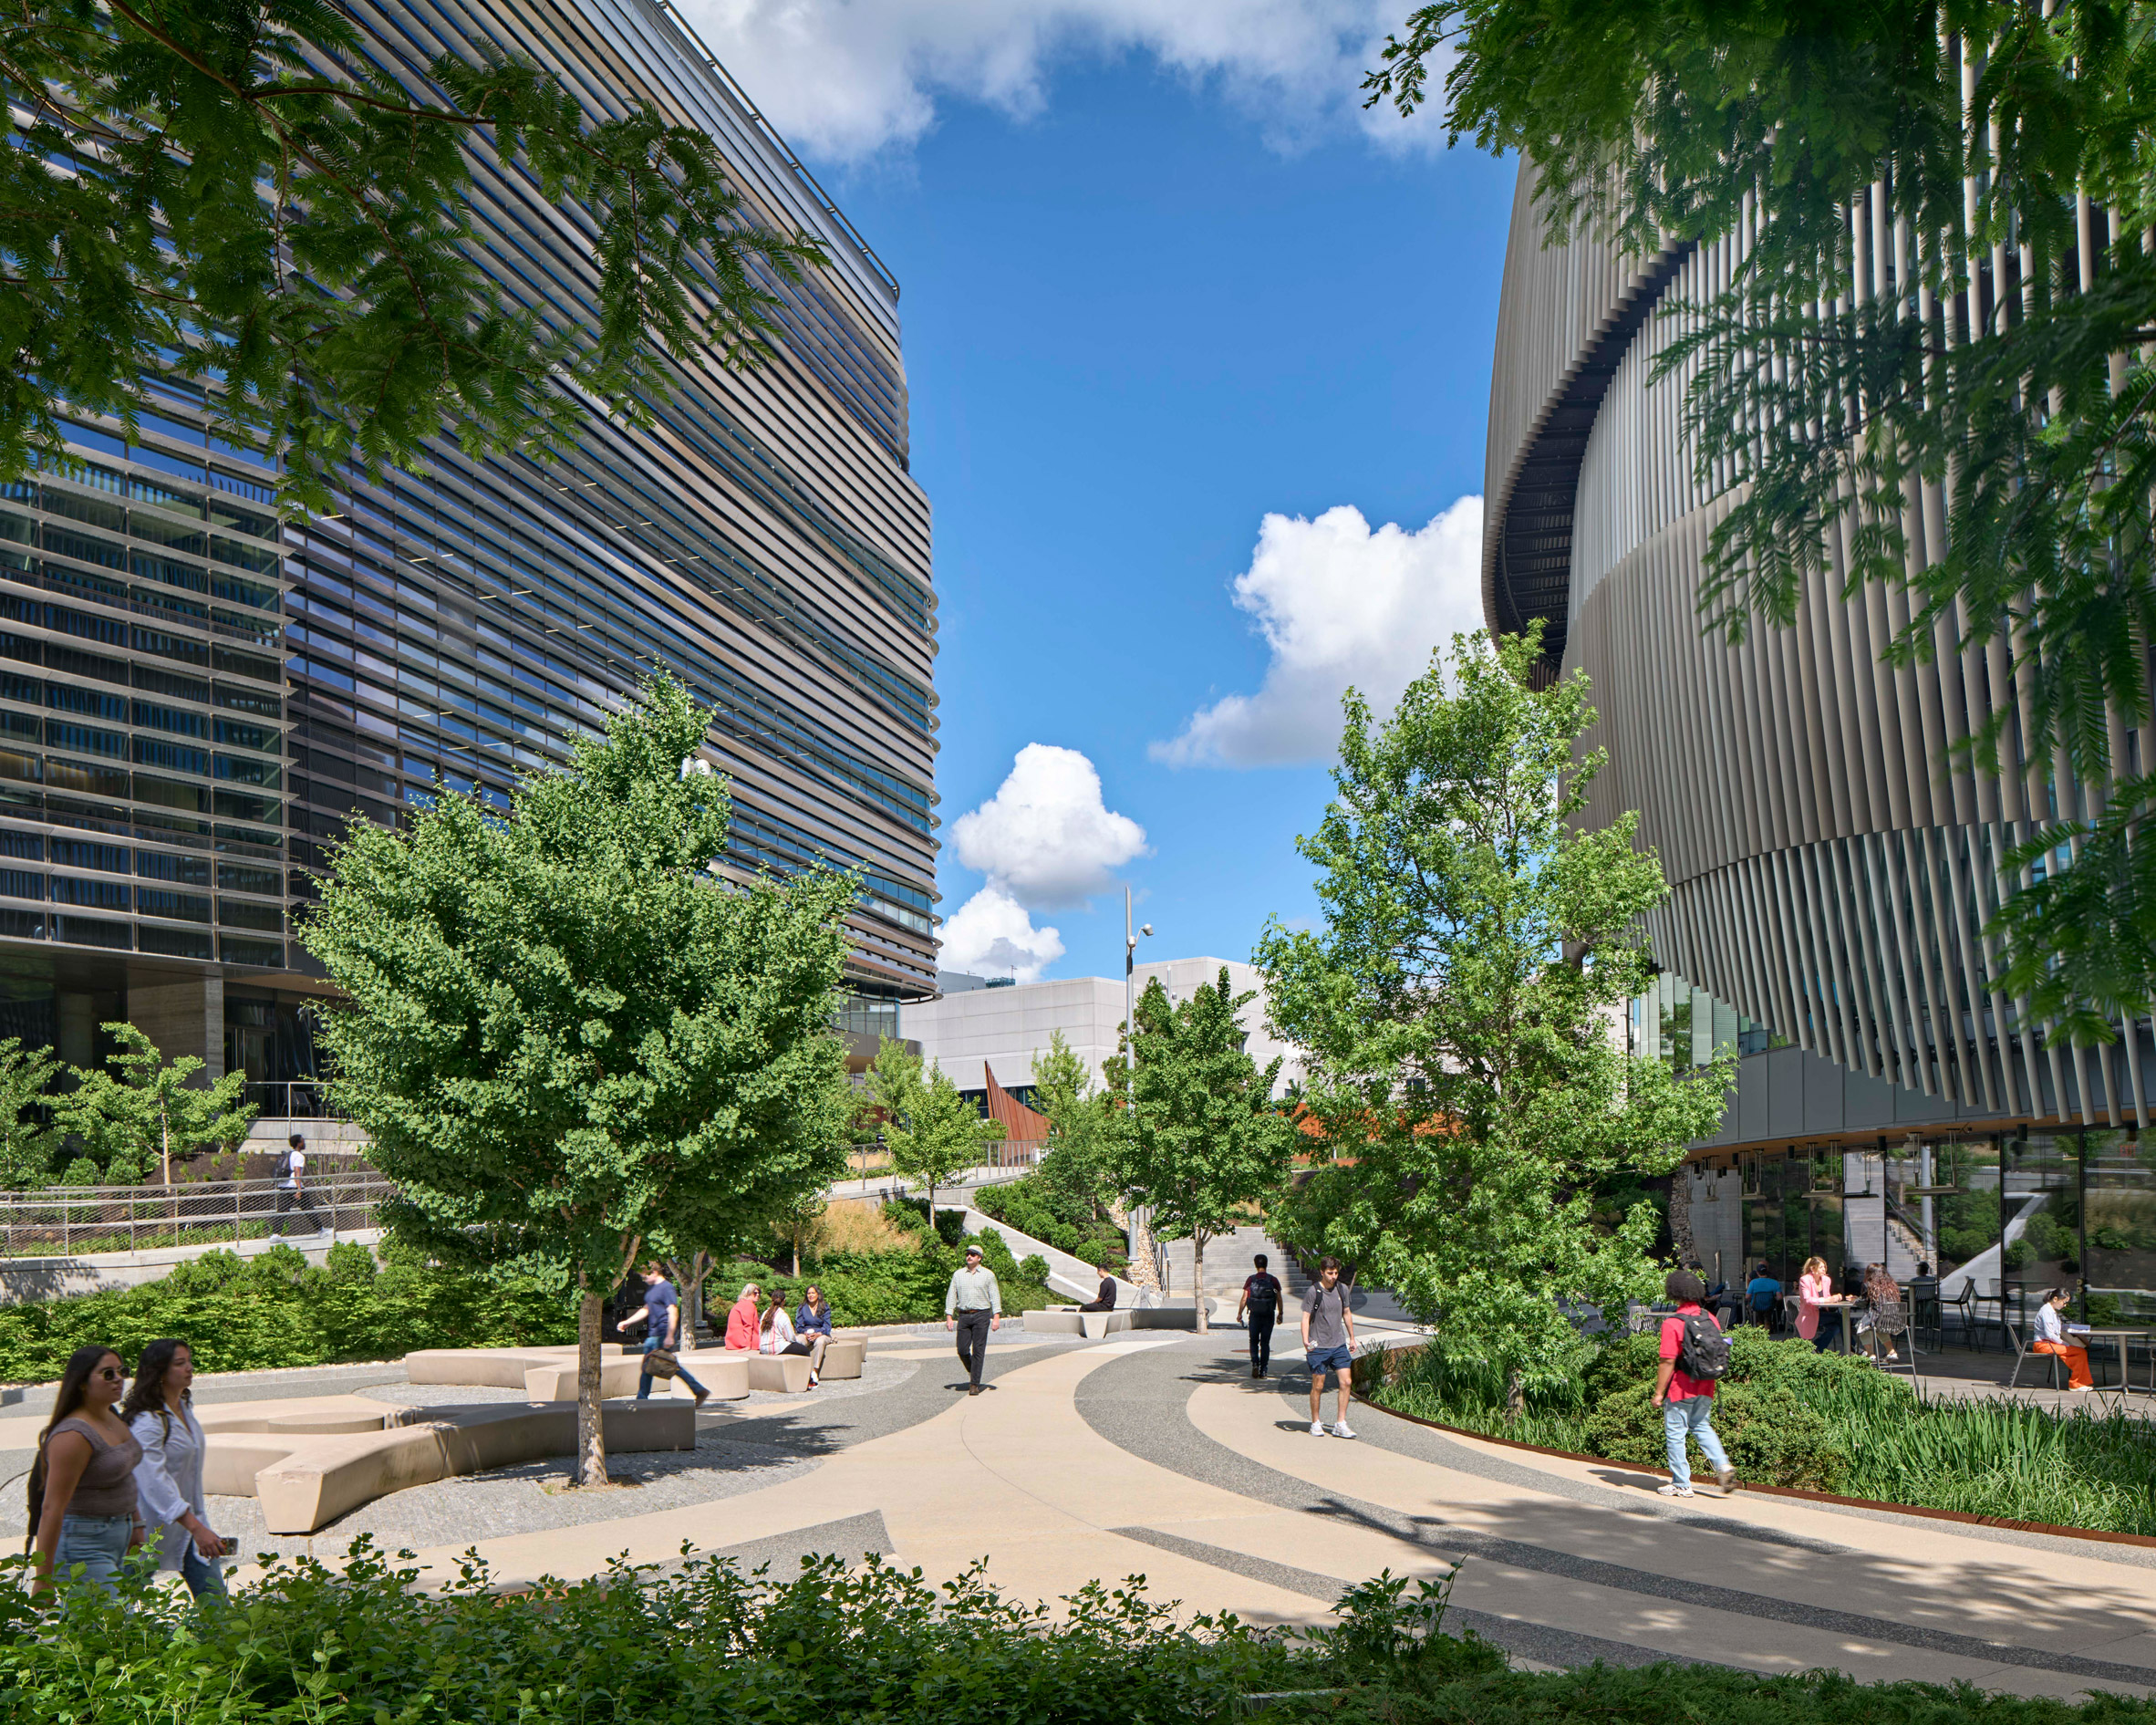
(1155, 1453)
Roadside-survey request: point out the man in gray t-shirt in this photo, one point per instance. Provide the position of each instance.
(1328, 1345)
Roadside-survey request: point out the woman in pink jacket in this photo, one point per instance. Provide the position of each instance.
(1815, 1290)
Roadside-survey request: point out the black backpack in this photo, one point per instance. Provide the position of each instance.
(1703, 1351)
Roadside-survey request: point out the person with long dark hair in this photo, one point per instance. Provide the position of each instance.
(82, 1484)
(159, 1412)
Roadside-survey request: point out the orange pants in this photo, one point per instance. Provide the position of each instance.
(2076, 1359)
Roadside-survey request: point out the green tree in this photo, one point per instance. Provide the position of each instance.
(1203, 1136)
(1460, 1005)
(29, 1141)
(574, 1047)
(931, 1130)
(143, 1111)
(1997, 154)
(276, 203)
(1078, 1167)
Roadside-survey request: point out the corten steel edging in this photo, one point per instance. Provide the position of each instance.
(1963, 1516)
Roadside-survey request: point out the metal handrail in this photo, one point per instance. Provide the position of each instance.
(70, 1220)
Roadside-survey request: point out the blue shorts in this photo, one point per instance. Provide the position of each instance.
(1321, 1360)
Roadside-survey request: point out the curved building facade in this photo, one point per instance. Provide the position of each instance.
(1831, 865)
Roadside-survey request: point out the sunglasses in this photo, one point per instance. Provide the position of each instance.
(112, 1374)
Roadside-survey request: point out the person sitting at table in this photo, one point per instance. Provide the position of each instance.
(1815, 1292)
(1763, 1292)
(1886, 1319)
(2051, 1338)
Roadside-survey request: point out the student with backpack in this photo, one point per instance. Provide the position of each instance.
(1695, 1355)
(292, 1168)
(1260, 1306)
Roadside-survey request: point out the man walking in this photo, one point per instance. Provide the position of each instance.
(1260, 1306)
(1694, 1353)
(1328, 1345)
(292, 1168)
(973, 1306)
(662, 1331)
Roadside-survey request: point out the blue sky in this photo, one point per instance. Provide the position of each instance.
(1136, 323)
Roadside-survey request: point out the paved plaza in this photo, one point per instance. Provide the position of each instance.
(1156, 1454)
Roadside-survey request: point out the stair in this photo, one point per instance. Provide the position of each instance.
(1228, 1263)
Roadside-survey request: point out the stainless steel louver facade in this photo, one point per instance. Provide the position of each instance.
(1831, 866)
(176, 754)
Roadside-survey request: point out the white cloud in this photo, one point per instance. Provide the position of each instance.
(991, 935)
(1046, 838)
(1338, 604)
(846, 80)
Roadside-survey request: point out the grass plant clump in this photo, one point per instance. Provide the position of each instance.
(861, 1645)
(1792, 1417)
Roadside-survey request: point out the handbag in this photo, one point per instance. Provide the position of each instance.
(660, 1361)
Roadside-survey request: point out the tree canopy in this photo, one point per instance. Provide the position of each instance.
(270, 198)
(1079, 1164)
(1462, 1006)
(931, 1131)
(573, 1046)
(143, 1112)
(1203, 1137)
(1995, 156)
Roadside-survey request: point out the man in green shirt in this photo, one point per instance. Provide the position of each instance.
(973, 1306)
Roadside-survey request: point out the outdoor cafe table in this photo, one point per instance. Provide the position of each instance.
(2119, 1339)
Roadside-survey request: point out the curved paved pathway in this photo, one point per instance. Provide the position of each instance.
(1156, 1454)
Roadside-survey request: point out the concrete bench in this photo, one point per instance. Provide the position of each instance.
(306, 1480)
(842, 1357)
(1068, 1320)
(1174, 1315)
(556, 1380)
(493, 1368)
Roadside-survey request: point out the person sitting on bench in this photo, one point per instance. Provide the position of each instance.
(1104, 1301)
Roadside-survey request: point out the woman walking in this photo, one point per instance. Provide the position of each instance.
(159, 1412)
(82, 1484)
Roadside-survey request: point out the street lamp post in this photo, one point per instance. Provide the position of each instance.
(1144, 1218)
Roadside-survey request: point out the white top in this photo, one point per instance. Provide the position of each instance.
(2050, 1326)
(295, 1166)
(779, 1334)
(169, 1479)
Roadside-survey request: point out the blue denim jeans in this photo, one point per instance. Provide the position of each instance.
(98, 1542)
(1693, 1418)
(204, 1577)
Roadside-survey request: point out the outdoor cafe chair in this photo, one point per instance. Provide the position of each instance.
(2025, 1350)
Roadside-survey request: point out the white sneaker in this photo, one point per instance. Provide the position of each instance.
(1341, 1429)
(1670, 1488)
(1317, 1428)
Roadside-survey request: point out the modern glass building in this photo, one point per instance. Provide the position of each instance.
(1832, 864)
(196, 695)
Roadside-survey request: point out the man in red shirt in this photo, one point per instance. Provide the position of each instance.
(1687, 1403)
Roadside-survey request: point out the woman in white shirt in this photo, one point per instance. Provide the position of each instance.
(777, 1336)
(2051, 1338)
(159, 1412)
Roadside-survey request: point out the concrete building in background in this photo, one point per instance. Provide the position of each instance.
(981, 1027)
(197, 694)
(1831, 866)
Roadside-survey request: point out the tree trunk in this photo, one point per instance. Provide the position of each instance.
(591, 1430)
(1198, 1278)
(1515, 1397)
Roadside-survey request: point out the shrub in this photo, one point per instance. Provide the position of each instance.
(865, 1645)
(1089, 1252)
(274, 1310)
(1772, 1436)
(1033, 1267)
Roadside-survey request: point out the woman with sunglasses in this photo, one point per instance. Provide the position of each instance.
(82, 1485)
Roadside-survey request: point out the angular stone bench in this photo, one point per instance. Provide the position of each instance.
(842, 1357)
(1068, 1320)
(493, 1368)
(305, 1479)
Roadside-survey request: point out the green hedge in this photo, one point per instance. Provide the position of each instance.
(893, 1287)
(1790, 1416)
(248, 1314)
(867, 1646)
(1067, 1224)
